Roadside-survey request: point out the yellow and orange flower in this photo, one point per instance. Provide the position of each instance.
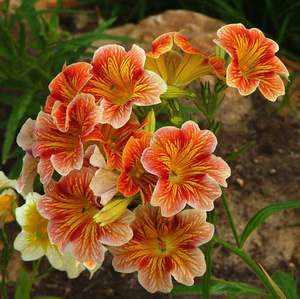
(119, 81)
(72, 208)
(113, 140)
(134, 178)
(63, 89)
(179, 68)
(187, 171)
(253, 61)
(64, 151)
(164, 247)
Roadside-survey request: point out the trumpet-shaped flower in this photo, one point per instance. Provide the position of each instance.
(114, 140)
(63, 89)
(164, 247)
(134, 178)
(70, 207)
(33, 241)
(187, 171)
(119, 81)
(178, 67)
(253, 61)
(64, 151)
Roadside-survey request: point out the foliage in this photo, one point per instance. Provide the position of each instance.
(33, 50)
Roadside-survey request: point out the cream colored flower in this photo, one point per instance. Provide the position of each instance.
(33, 241)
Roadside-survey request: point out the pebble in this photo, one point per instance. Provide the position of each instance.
(240, 182)
(272, 171)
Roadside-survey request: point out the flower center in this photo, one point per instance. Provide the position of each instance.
(174, 176)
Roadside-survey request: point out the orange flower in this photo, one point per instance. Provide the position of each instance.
(253, 61)
(164, 247)
(179, 68)
(119, 81)
(63, 88)
(70, 206)
(133, 177)
(64, 151)
(188, 172)
(114, 140)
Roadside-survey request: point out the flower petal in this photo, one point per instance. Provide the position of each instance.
(272, 87)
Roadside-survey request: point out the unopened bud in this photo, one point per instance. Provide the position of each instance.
(112, 211)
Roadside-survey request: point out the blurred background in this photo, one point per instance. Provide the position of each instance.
(38, 37)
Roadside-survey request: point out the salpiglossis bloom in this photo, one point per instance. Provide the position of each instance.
(64, 151)
(119, 81)
(33, 241)
(164, 247)
(180, 67)
(63, 89)
(187, 171)
(253, 61)
(134, 178)
(113, 140)
(70, 207)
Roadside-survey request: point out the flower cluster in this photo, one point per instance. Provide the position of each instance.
(111, 182)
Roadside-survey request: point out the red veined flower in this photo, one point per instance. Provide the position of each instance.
(187, 171)
(119, 81)
(63, 88)
(64, 151)
(180, 67)
(134, 178)
(71, 208)
(253, 61)
(114, 140)
(164, 247)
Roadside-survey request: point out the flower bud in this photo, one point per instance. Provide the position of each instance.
(112, 211)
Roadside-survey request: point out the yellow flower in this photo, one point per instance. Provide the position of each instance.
(7, 199)
(7, 202)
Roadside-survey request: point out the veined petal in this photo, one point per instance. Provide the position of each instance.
(115, 115)
(65, 86)
(271, 87)
(234, 78)
(118, 232)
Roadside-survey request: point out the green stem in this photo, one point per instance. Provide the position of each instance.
(250, 263)
(211, 217)
(230, 218)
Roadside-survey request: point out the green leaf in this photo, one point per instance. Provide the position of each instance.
(287, 283)
(263, 214)
(222, 287)
(23, 286)
(13, 123)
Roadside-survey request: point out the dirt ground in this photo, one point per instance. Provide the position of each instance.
(267, 173)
